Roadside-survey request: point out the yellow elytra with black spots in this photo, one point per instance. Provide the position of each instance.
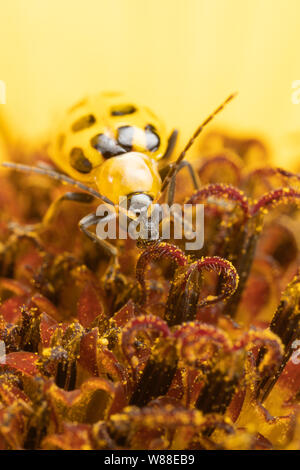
(112, 144)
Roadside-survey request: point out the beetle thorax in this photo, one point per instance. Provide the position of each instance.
(126, 174)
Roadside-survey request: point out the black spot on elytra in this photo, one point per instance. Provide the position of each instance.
(152, 138)
(83, 123)
(125, 137)
(79, 161)
(122, 110)
(107, 146)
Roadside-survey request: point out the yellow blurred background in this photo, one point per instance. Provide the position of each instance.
(182, 57)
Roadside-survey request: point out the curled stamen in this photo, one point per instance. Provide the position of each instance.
(266, 339)
(183, 298)
(269, 171)
(274, 199)
(222, 191)
(222, 267)
(141, 323)
(208, 167)
(154, 252)
(193, 337)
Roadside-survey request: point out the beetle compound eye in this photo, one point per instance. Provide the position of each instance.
(125, 137)
(152, 138)
(79, 162)
(122, 110)
(83, 123)
(107, 146)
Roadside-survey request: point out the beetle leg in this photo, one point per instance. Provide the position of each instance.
(51, 212)
(112, 275)
(93, 219)
(171, 145)
(172, 185)
(69, 196)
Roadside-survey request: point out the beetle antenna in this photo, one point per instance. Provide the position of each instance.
(57, 176)
(174, 167)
